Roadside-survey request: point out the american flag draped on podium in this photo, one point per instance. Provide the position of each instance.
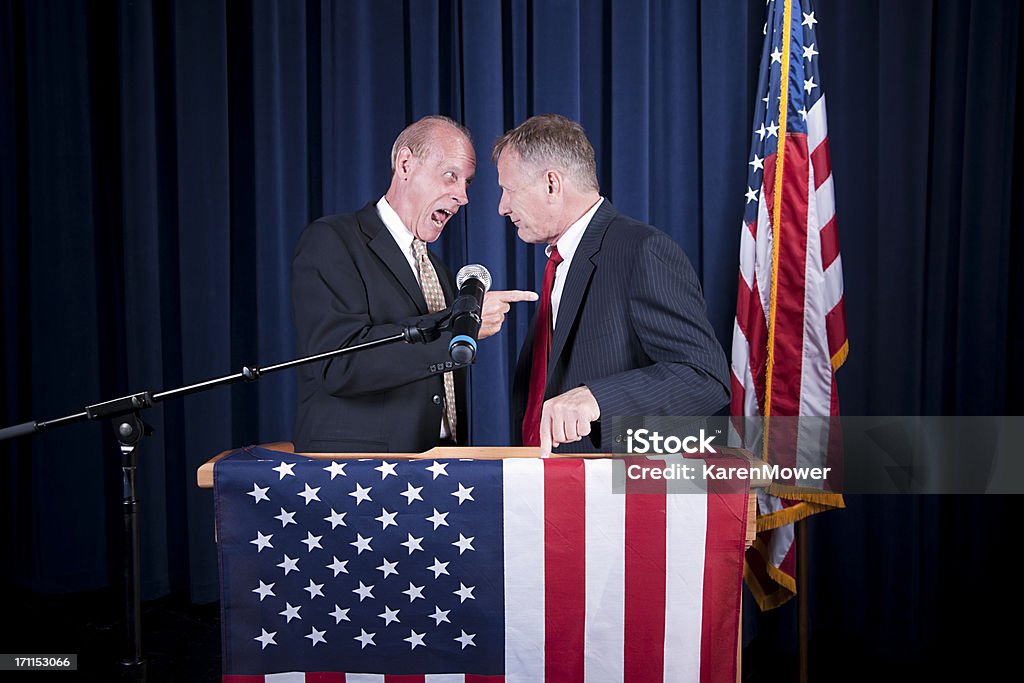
(790, 332)
(471, 570)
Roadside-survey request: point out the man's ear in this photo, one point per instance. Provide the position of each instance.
(554, 182)
(404, 161)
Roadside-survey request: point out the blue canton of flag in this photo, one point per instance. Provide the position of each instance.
(386, 563)
(804, 91)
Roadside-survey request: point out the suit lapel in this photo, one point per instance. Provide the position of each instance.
(384, 246)
(580, 272)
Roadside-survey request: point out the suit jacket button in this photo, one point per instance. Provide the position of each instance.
(436, 400)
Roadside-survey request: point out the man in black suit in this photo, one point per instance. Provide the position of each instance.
(361, 276)
(622, 328)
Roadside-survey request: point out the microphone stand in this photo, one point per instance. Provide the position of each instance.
(130, 429)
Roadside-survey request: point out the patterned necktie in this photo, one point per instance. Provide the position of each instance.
(541, 350)
(434, 296)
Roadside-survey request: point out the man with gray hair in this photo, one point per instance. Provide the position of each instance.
(361, 276)
(622, 328)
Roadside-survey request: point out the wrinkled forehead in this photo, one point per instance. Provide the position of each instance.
(452, 147)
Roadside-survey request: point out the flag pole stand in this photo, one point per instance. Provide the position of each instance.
(802, 598)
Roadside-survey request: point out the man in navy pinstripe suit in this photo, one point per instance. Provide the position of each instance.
(625, 327)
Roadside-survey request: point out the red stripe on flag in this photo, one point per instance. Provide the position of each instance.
(822, 163)
(835, 330)
(564, 569)
(829, 243)
(723, 557)
(736, 407)
(327, 677)
(402, 679)
(241, 679)
(755, 329)
(791, 238)
(752, 227)
(644, 617)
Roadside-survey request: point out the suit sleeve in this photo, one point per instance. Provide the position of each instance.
(330, 301)
(688, 374)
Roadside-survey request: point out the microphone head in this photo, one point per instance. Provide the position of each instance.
(475, 271)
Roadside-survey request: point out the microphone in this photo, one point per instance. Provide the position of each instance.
(473, 282)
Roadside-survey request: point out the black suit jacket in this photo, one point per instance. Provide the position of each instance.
(632, 326)
(351, 284)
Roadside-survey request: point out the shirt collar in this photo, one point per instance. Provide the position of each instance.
(403, 236)
(570, 239)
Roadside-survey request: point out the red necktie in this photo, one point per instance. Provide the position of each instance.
(541, 350)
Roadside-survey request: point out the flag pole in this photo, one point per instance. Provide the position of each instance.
(802, 599)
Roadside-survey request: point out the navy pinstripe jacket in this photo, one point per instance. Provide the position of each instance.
(632, 326)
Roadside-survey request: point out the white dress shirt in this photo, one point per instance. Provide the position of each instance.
(567, 245)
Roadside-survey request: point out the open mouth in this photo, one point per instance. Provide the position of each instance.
(440, 217)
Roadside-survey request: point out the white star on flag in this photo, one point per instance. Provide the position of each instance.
(386, 518)
(284, 469)
(310, 494)
(262, 542)
(466, 639)
(390, 615)
(266, 638)
(388, 568)
(362, 494)
(363, 591)
(361, 543)
(365, 638)
(413, 493)
(312, 541)
(415, 639)
(286, 518)
(291, 612)
(464, 544)
(438, 518)
(289, 565)
(264, 590)
(385, 469)
(438, 469)
(414, 592)
(338, 566)
(314, 589)
(809, 52)
(339, 614)
(336, 519)
(412, 543)
(464, 592)
(440, 615)
(809, 20)
(316, 636)
(259, 494)
(438, 568)
(463, 494)
(336, 468)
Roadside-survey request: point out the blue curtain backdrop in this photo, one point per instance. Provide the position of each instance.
(159, 159)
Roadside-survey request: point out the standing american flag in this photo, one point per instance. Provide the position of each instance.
(472, 571)
(790, 331)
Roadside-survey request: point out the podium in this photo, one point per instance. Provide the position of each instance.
(475, 562)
